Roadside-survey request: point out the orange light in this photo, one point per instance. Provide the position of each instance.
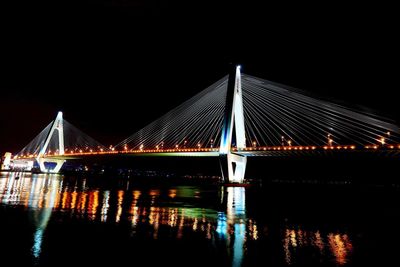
(382, 140)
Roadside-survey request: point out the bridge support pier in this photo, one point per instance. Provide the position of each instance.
(59, 163)
(233, 167)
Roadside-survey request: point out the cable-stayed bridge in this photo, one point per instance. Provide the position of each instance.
(237, 117)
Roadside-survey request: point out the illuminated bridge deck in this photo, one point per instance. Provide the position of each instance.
(273, 151)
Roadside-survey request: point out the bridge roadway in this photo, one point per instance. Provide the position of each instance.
(281, 151)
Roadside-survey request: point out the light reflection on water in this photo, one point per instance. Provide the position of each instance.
(170, 211)
(339, 245)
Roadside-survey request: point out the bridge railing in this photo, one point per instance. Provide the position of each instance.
(370, 147)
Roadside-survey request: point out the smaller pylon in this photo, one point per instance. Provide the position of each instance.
(59, 126)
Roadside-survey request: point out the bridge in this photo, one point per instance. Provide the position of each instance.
(237, 117)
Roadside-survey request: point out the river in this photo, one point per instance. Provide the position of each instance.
(53, 220)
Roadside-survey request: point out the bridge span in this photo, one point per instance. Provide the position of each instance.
(237, 117)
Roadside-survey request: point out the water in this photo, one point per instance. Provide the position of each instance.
(50, 220)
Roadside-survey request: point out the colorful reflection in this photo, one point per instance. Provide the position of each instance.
(35, 192)
(160, 213)
(296, 241)
(137, 206)
(236, 218)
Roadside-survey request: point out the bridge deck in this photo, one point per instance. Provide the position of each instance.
(293, 151)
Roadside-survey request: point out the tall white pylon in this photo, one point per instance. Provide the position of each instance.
(233, 165)
(59, 126)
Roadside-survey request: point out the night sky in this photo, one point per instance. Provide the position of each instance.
(113, 67)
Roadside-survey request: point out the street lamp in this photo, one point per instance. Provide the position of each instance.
(382, 140)
(330, 140)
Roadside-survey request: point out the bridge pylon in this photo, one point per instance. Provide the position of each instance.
(233, 166)
(58, 126)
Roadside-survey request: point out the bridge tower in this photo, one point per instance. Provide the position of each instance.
(233, 165)
(58, 126)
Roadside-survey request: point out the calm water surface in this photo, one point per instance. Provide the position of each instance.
(51, 220)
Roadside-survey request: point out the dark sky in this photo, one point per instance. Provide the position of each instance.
(114, 66)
